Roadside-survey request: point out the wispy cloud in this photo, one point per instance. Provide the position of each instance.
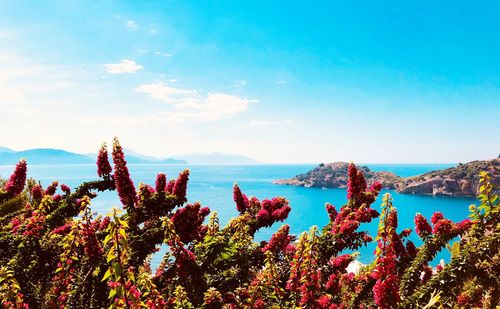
(125, 66)
(190, 105)
(162, 54)
(239, 83)
(130, 24)
(281, 82)
(261, 123)
(7, 34)
(25, 87)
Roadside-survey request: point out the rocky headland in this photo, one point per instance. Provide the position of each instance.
(462, 180)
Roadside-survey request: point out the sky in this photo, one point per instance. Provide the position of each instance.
(277, 81)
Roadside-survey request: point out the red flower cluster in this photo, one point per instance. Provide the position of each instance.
(436, 217)
(91, 244)
(332, 212)
(170, 186)
(185, 260)
(33, 225)
(37, 192)
(265, 213)
(132, 289)
(124, 185)
(422, 227)
(392, 219)
(463, 226)
(65, 189)
(411, 249)
(103, 166)
(57, 198)
(356, 184)
(341, 262)
(385, 290)
(180, 186)
(52, 188)
(347, 220)
(188, 222)
(161, 182)
(271, 211)
(145, 192)
(357, 189)
(240, 199)
(104, 223)
(15, 184)
(309, 288)
(443, 227)
(279, 241)
(63, 229)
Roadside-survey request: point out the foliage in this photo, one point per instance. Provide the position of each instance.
(55, 254)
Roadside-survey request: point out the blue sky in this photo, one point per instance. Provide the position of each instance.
(279, 81)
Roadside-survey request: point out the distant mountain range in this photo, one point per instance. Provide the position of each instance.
(216, 158)
(59, 156)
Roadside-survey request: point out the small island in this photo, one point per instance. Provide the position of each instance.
(334, 175)
(462, 180)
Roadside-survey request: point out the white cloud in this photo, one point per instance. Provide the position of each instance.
(25, 87)
(131, 24)
(190, 105)
(260, 123)
(153, 31)
(239, 83)
(7, 34)
(125, 66)
(281, 82)
(161, 54)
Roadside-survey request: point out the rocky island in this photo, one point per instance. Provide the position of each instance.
(334, 175)
(462, 180)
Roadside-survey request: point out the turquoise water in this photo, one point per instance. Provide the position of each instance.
(212, 186)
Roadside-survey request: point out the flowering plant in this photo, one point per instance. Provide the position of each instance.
(54, 253)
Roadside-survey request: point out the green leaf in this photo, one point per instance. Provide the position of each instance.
(117, 268)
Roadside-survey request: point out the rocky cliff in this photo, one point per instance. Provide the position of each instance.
(462, 180)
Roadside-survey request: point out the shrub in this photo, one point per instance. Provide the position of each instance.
(55, 254)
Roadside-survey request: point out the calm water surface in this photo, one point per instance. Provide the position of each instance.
(212, 186)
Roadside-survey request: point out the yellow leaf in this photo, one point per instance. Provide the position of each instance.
(107, 239)
(111, 255)
(106, 275)
(112, 293)
(122, 232)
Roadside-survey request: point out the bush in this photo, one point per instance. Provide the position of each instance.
(55, 254)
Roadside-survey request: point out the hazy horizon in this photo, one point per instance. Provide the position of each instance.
(180, 156)
(277, 82)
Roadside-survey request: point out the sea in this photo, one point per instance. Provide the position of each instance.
(212, 186)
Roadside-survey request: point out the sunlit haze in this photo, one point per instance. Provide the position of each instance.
(315, 82)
